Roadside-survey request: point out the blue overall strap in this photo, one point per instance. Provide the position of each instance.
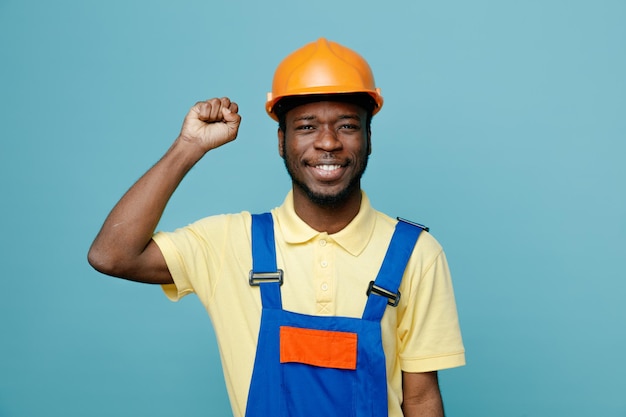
(384, 290)
(264, 272)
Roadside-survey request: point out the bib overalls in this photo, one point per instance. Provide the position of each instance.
(319, 365)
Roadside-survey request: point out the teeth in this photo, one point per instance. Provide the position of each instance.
(328, 167)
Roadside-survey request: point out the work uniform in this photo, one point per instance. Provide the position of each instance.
(314, 365)
(325, 276)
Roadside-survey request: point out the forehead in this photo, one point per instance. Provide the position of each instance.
(326, 109)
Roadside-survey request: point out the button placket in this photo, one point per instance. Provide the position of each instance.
(323, 284)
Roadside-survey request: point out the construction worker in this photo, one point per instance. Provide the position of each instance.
(323, 306)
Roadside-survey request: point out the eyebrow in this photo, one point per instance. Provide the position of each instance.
(307, 117)
(350, 116)
(304, 117)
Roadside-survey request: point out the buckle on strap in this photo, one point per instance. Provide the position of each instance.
(392, 298)
(258, 278)
(421, 226)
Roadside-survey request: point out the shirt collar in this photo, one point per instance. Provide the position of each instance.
(353, 238)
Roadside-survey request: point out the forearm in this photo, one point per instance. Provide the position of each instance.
(422, 397)
(128, 229)
(430, 408)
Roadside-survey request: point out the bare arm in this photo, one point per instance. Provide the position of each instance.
(421, 394)
(124, 247)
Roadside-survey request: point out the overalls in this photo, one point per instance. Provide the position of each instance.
(321, 365)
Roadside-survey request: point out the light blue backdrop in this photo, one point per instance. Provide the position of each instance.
(503, 129)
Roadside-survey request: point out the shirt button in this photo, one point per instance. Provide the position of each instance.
(322, 242)
(324, 287)
(324, 264)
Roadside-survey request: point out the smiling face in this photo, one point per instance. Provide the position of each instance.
(325, 146)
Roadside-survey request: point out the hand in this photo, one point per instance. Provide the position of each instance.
(212, 123)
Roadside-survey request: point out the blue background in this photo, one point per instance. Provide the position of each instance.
(503, 129)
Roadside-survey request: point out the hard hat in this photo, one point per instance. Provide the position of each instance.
(322, 67)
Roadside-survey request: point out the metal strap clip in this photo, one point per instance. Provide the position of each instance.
(258, 278)
(421, 226)
(392, 299)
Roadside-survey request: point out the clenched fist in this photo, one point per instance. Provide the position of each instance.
(212, 123)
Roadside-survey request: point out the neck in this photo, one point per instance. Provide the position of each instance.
(327, 218)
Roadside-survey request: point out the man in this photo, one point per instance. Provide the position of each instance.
(299, 307)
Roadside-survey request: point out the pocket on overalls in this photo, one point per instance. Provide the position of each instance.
(319, 371)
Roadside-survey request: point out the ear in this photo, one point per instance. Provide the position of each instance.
(369, 141)
(281, 142)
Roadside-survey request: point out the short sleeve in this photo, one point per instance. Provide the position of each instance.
(200, 254)
(176, 265)
(429, 333)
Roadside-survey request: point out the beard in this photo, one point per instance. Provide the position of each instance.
(326, 199)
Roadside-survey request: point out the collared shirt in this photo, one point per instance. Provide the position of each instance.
(325, 274)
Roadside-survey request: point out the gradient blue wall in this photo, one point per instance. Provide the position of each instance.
(503, 129)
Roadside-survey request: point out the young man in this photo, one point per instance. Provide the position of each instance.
(325, 306)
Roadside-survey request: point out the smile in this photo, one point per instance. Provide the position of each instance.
(328, 167)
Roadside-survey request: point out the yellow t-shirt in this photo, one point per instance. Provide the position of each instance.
(323, 275)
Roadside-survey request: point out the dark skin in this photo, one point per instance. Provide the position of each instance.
(325, 147)
(129, 251)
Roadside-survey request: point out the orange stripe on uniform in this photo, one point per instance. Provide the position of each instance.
(328, 349)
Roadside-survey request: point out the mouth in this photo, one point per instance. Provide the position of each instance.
(328, 172)
(328, 168)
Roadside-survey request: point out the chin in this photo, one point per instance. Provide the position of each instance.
(329, 199)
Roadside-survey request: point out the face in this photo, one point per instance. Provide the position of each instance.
(325, 147)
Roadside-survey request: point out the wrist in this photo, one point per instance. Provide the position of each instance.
(186, 152)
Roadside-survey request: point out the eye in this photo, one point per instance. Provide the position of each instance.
(350, 126)
(305, 127)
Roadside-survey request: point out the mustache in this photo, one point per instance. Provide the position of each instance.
(329, 159)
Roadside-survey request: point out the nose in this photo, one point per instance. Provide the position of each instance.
(328, 140)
